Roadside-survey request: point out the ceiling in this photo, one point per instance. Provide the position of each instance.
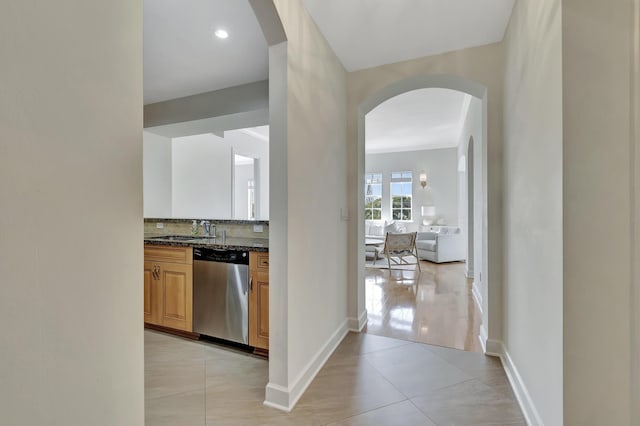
(368, 33)
(417, 120)
(182, 57)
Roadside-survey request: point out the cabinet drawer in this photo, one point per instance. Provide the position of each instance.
(168, 254)
(259, 261)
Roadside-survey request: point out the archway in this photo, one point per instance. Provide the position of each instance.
(444, 81)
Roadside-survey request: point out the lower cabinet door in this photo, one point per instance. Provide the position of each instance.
(151, 305)
(259, 310)
(176, 284)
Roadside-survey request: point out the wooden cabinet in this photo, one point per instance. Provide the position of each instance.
(168, 286)
(151, 308)
(259, 300)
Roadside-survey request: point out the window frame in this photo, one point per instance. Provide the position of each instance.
(371, 179)
(401, 177)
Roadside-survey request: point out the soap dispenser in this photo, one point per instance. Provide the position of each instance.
(194, 228)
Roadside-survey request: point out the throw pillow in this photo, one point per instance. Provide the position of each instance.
(391, 227)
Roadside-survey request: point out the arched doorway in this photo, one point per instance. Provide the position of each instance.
(477, 90)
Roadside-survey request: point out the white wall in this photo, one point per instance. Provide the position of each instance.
(600, 182)
(533, 296)
(242, 175)
(157, 175)
(441, 166)
(71, 228)
(201, 177)
(473, 128)
(306, 202)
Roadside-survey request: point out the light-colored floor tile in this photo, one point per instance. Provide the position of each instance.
(345, 389)
(487, 369)
(414, 370)
(470, 403)
(467, 361)
(366, 381)
(402, 413)
(184, 409)
(161, 348)
(362, 343)
(163, 379)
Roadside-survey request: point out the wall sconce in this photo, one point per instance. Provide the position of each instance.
(423, 179)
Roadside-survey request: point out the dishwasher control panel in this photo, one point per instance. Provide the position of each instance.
(239, 257)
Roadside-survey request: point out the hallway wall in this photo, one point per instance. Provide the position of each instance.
(308, 206)
(599, 185)
(533, 204)
(71, 228)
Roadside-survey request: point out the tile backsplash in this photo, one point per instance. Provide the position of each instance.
(234, 228)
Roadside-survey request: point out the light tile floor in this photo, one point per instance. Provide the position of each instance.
(369, 380)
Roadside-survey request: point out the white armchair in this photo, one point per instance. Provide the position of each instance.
(441, 244)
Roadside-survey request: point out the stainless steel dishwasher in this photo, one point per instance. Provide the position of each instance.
(221, 294)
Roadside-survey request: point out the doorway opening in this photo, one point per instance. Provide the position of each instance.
(422, 143)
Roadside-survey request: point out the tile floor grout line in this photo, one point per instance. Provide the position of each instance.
(171, 395)
(386, 379)
(369, 411)
(446, 387)
(384, 349)
(423, 413)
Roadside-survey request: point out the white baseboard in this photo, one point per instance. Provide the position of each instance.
(527, 406)
(277, 396)
(285, 399)
(483, 337)
(493, 347)
(357, 324)
(475, 292)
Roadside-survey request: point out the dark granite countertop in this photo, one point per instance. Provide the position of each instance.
(230, 243)
(221, 221)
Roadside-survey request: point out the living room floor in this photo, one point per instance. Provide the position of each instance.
(369, 380)
(434, 306)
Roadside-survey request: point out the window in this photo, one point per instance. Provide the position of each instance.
(401, 190)
(373, 196)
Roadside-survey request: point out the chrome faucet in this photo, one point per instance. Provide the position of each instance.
(207, 228)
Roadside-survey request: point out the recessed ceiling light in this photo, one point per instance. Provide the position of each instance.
(220, 33)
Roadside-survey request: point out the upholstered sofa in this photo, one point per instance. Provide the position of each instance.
(441, 244)
(377, 230)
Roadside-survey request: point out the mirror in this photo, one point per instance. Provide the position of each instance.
(212, 176)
